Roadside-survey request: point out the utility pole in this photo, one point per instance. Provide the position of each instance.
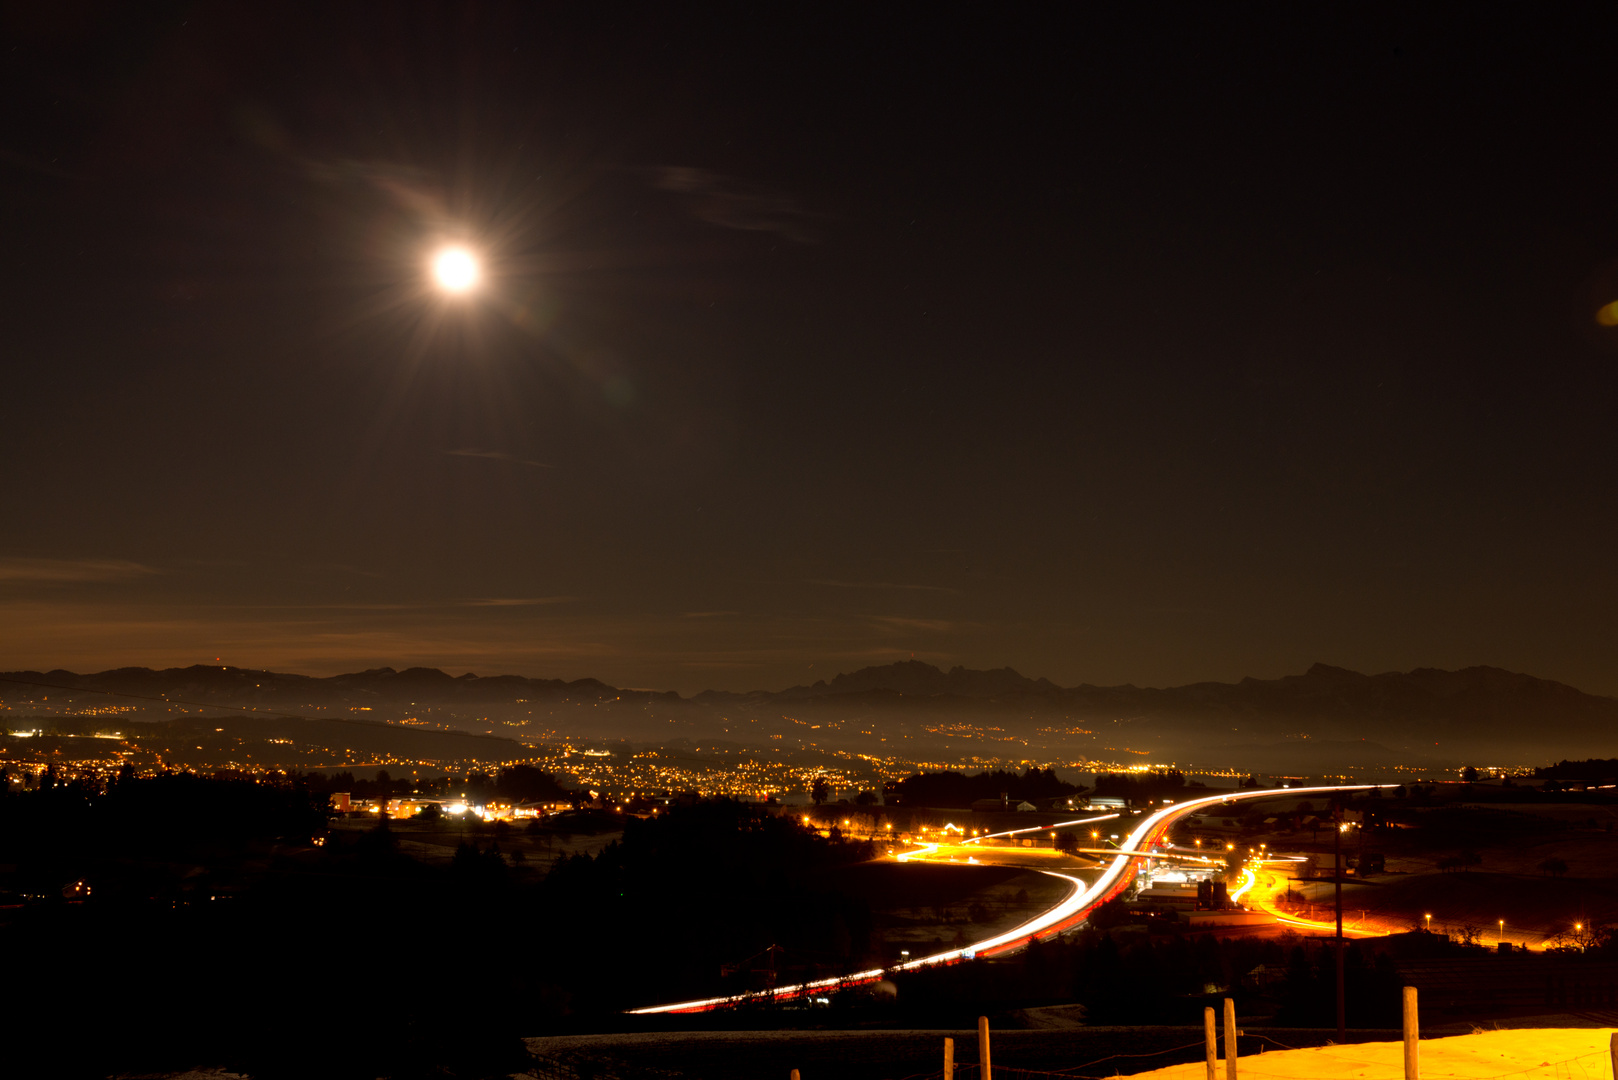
(1337, 878)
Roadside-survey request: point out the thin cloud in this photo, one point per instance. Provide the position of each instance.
(409, 187)
(900, 622)
(707, 614)
(67, 571)
(736, 204)
(519, 601)
(344, 568)
(877, 585)
(498, 455)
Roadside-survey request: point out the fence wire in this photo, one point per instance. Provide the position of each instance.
(1596, 1065)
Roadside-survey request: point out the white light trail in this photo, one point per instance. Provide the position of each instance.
(1040, 828)
(1069, 912)
(1249, 879)
(925, 849)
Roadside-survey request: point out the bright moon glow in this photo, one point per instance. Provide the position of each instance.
(455, 270)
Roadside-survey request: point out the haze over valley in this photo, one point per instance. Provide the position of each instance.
(864, 727)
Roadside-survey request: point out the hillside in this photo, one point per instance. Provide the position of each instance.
(1325, 719)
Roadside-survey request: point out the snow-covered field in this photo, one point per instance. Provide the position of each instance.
(1523, 1054)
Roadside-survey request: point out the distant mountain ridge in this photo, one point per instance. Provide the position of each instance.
(1322, 686)
(384, 682)
(916, 677)
(1320, 715)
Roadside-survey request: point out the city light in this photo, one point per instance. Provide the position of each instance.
(1081, 897)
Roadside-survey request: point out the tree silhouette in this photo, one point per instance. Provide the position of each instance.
(1553, 866)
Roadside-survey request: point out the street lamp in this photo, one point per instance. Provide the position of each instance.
(1502, 936)
(1429, 919)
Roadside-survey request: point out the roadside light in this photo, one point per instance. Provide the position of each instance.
(1429, 919)
(1230, 847)
(1578, 926)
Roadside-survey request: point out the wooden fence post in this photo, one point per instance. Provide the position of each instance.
(794, 1074)
(1412, 1036)
(983, 1048)
(1613, 1050)
(1210, 1036)
(1230, 1039)
(949, 1059)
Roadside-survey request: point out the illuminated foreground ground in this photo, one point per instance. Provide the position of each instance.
(1524, 1054)
(1073, 909)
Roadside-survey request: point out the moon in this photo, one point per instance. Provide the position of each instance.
(456, 270)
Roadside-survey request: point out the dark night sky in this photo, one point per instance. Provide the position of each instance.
(1143, 343)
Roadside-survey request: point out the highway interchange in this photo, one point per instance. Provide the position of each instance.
(1081, 900)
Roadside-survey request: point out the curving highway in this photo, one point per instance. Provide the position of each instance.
(1072, 910)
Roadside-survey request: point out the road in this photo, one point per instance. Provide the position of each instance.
(1074, 908)
(1269, 888)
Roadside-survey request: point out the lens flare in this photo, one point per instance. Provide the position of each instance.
(456, 270)
(1607, 315)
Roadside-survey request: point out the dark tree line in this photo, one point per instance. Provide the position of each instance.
(1588, 769)
(514, 784)
(216, 932)
(953, 789)
(1140, 787)
(688, 893)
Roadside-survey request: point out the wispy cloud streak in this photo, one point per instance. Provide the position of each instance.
(878, 585)
(498, 455)
(736, 204)
(67, 571)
